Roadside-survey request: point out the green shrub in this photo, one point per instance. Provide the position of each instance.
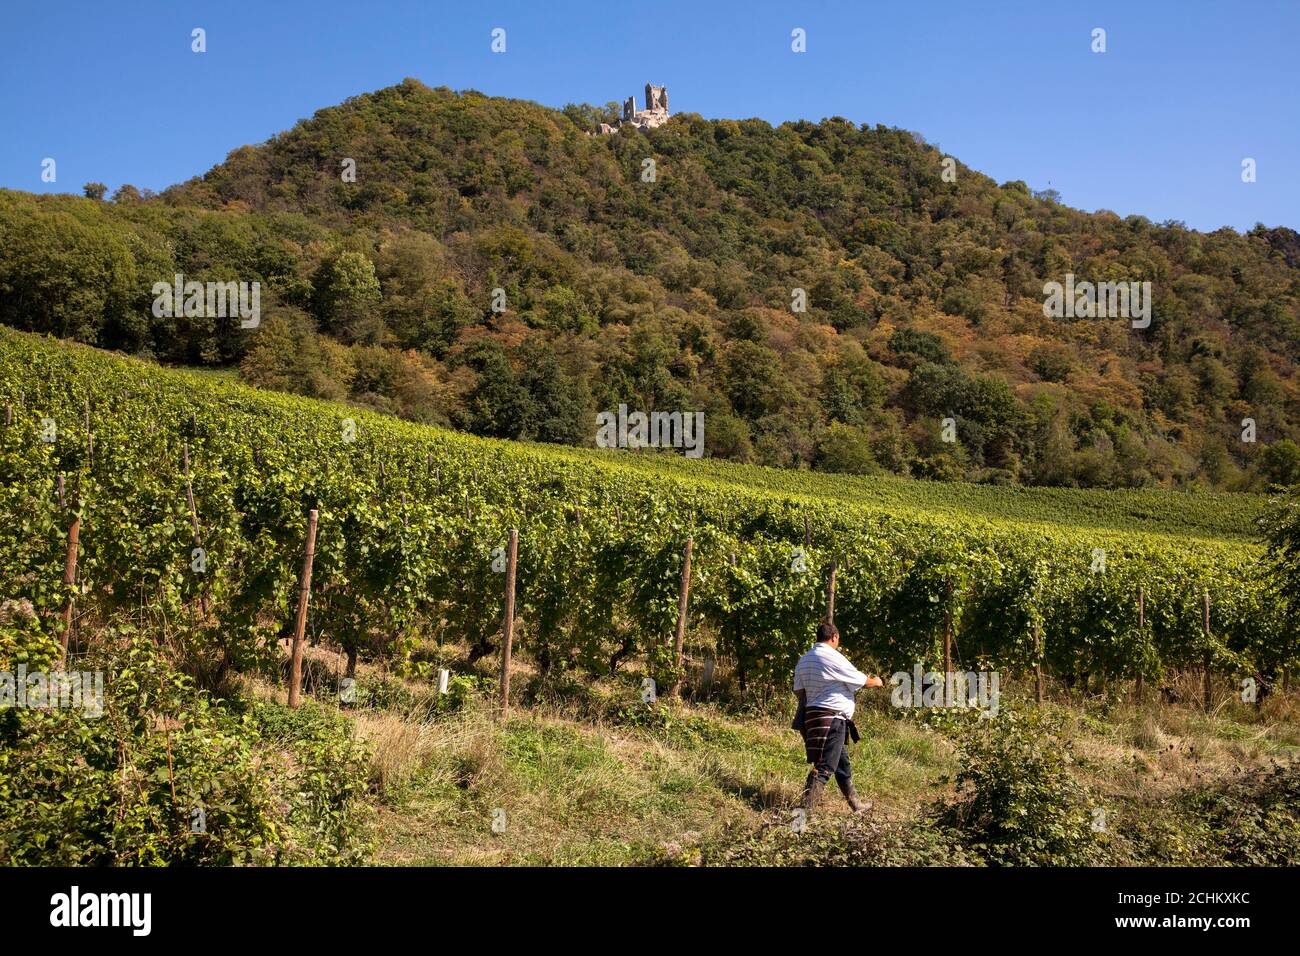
(324, 786)
(165, 777)
(1017, 803)
(1255, 820)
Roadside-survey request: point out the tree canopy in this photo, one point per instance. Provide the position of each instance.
(517, 274)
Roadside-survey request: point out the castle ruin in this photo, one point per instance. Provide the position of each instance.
(654, 114)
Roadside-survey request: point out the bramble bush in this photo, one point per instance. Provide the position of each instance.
(167, 777)
(1017, 803)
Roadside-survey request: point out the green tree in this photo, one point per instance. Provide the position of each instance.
(851, 390)
(499, 406)
(287, 356)
(347, 298)
(1279, 463)
(753, 379)
(846, 450)
(126, 195)
(913, 345)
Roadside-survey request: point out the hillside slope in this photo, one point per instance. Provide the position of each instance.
(924, 296)
(1175, 520)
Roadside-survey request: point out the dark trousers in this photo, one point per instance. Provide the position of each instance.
(835, 755)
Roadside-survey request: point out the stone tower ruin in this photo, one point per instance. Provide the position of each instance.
(654, 114)
(656, 98)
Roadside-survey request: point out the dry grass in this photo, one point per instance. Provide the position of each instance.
(399, 748)
(575, 782)
(577, 789)
(1136, 754)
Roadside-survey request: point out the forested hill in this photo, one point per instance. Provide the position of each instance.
(671, 284)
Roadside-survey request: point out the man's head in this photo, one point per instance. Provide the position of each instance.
(827, 634)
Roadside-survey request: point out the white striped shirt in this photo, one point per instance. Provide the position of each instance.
(828, 679)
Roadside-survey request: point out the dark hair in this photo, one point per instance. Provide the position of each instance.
(826, 631)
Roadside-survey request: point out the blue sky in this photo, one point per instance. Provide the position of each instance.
(1157, 125)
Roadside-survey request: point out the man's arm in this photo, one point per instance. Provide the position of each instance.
(846, 672)
(842, 670)
(868, 680)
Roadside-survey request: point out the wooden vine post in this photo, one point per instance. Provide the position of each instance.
(1142, 621)
(508, 623)
(1205, 621)
(683, 599)
(69, 582)
(300, 622)
(830, 594)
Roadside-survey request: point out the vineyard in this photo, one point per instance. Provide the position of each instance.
(412, 523)
(160, 519)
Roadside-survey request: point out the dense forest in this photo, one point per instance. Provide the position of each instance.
(671, 285)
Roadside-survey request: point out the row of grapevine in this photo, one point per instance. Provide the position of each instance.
(410, 517)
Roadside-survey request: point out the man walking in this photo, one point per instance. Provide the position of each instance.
(825, 682)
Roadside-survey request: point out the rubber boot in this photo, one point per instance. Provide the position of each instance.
(807, 785)
(812, 794)
(857, 804)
